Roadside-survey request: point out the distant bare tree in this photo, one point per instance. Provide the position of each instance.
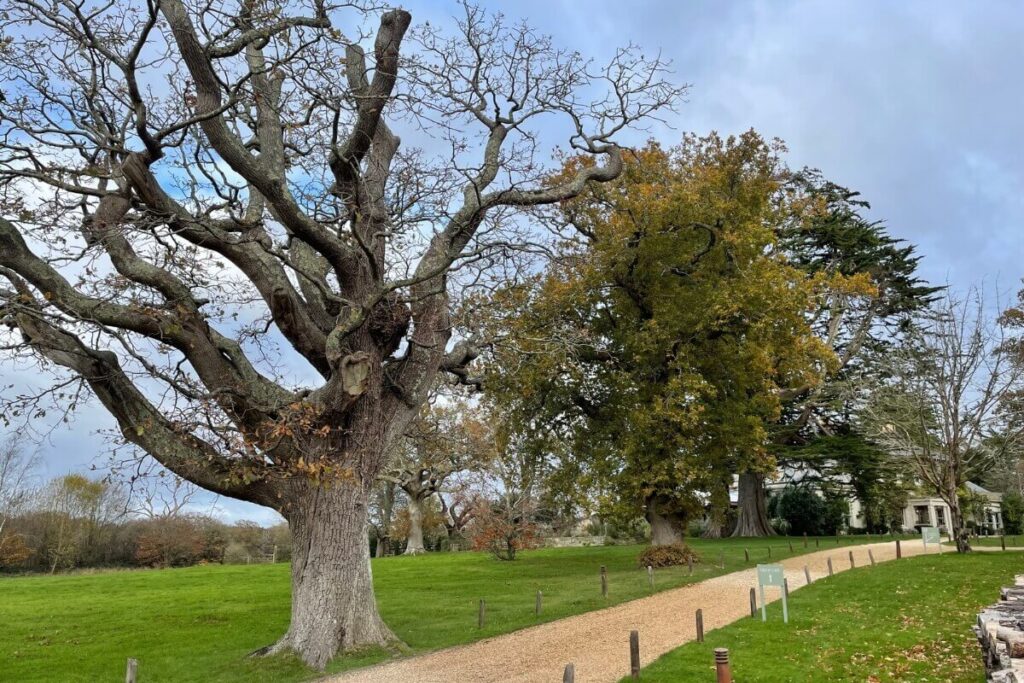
(18, 471)
(444, 440)
(941, 407)
(194, 192)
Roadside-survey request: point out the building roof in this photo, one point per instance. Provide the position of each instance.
(991, 495)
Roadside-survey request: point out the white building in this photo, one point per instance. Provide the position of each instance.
(921, 510)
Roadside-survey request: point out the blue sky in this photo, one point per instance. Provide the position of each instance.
(918, 105)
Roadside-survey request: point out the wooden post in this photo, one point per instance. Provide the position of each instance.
(481, 617)
(700, 626)
(569, 676)
(274, 560)
(132, 670)
(790, 545)
(807, 574)
(753, 602)
(721, 559)
(805, 539)
(540, 601)
(769, 552)
(650, 576)
(604, 581)
(899, 551)
(871, 556)
(1002, 541)
(830, 566)
(746, 555)
(817, 543)
(689, 564)
(634, 654)
(852, 564)
(837, 538)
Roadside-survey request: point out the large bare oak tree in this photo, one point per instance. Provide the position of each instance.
(195, 191)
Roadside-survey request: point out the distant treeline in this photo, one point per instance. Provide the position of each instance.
(76, 522)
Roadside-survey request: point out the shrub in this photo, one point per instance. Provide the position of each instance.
(503, 533)
(667, 555)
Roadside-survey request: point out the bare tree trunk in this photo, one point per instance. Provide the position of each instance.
(753, 510)
(384, 532)
(414, 546)
(667, 528)
(956, 523)
(717, 512)
(333, 604)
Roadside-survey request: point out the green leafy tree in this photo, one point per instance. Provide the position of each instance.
(649, 357)
(1013, 512)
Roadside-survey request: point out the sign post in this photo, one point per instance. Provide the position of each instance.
(772, 575)
(930, 534)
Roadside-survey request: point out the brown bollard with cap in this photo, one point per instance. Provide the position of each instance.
(722, 665)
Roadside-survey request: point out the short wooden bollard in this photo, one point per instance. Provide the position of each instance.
(569, 675)
(604, 581)
(481, 617)
(817, 543)
(746, 555)
(837, 539)
(722, 672)
(634, 654)
(700, 626)
(791, 546)
(689, 564)
(132, 670)
(830, 566)
(769, 552)
(540, 603)
(807, 574)
(805, 539)
(1002, 541)
(650, 576)
(871, 556)
(753, 603)
(899, 550)
(852, 564)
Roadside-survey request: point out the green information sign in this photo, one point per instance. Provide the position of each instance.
(930, 534)
(772, 575)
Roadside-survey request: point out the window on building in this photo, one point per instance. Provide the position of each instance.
(940, 516)
(921, 514)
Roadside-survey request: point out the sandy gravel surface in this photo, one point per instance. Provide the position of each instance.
(597, 643)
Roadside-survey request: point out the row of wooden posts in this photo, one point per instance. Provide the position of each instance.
(721, 654)
(539, 601)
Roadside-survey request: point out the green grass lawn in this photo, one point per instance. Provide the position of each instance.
(199, 623)
(900, 621)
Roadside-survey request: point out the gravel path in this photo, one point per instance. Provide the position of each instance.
(598, 642)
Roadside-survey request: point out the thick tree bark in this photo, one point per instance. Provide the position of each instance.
(667, 528)
(753, 510)
(956, 522)
(414, 545)
(333, 604)
(718, 508)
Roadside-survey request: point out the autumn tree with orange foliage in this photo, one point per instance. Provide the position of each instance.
(651, 355)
